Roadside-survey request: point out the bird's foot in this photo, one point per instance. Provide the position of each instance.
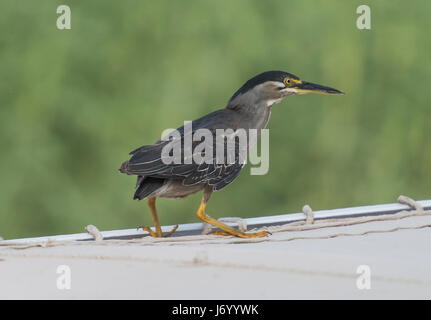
(241, 234)
(158, 233)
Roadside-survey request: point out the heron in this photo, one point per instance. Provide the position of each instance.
(249, 108)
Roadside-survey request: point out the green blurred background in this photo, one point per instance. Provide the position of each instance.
(75, 102)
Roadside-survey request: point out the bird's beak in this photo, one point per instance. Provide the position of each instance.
(307, 87)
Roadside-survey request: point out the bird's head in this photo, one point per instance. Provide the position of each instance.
(271, 87)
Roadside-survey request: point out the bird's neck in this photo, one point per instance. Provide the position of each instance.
(253, 116)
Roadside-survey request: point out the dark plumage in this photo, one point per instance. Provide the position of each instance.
(153, 173)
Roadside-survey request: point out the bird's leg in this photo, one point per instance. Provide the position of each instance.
(158, 234)
(227, 230)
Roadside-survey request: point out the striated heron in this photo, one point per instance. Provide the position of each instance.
(249, 108)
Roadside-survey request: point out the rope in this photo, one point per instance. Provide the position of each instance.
(308, 214)
(410, 202)
(242, 224)
(91, 229)
(278, 231)
(338, 222)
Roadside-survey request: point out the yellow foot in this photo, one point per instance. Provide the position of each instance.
(242, 234)
(158, 235)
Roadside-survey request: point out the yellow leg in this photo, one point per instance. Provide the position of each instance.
(227, 230)
(158, 234)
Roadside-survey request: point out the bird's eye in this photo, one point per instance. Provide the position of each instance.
(288, 82)
(291, 82)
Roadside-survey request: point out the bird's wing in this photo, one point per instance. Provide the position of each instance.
(154, 161)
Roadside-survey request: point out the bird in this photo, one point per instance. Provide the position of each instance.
(249, 108)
